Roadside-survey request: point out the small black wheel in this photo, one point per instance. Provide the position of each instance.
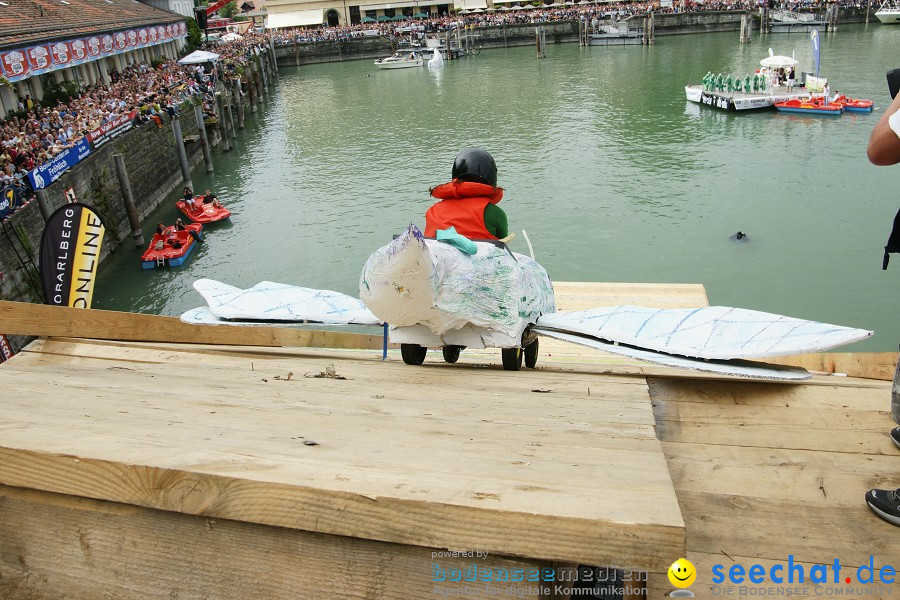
(451, 353)
(531, 354)
(512, 358)
(413, 354)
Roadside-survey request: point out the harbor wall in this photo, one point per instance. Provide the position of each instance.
(154, 172)
(523, 34)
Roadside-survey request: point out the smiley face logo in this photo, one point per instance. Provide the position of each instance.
(682, 573)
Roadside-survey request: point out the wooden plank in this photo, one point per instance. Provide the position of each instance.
(97, 549)
(764, 472)
(802, 476)
(491, 467)
(868, 365)
(768, 528)
(22, 318)
(579, 295)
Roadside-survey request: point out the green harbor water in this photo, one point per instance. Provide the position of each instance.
(614, 175)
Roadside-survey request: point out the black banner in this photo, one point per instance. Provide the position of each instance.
(6, 351)
(11, 198)
(70, 252)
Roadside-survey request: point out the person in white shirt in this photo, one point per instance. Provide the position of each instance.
(884, 149)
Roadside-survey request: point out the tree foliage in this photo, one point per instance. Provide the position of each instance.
(229, 10)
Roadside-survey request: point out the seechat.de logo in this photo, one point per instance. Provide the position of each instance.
(682, 574)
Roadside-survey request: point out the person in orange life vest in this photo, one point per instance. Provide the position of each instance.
(469, 201)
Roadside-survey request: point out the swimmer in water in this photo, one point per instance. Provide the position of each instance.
(740, 236)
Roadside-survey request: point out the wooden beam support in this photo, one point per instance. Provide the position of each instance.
(23, 318)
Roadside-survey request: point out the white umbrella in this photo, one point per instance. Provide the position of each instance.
(779, 62)
(230, 37)
(477, 10)
(198, 56)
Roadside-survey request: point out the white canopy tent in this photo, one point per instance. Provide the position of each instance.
(231, 36)
(199, 56)
(296, 18)
(779, 62)
(470, 4)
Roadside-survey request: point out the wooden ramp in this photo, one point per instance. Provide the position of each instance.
(768, 471)
(135, 469)
(162, 466)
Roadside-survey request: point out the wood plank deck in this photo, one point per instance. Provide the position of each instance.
(182, 469)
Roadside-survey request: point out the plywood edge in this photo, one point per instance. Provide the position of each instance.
(23, 318)
(864, 365)
(404, 521)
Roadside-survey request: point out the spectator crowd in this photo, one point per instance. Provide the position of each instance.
(36, 132)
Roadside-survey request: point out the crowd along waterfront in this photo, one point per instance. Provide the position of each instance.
(615, 176)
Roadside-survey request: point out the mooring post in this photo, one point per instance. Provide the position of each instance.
(868, 8)
(231, 128)
(134, 219)
(259, 86)
(237, 101)
(274, 58)
(263, 67)
(251, 90)
(204, 140)
(43, 204)
(182, 155)
(223, 122)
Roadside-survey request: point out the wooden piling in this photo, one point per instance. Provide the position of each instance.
(237, 101)
(134, 219)
(182, 155)
(43, 204)
(251, 89)
(204, 140)
(223, 123)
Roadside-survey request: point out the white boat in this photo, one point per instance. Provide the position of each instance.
(434, 295)
(888, 14)
(401, 60)
(764, 95)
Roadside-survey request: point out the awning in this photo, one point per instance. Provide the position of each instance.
(386, 5)
(197, 57)
(296, 18)
(469, 4)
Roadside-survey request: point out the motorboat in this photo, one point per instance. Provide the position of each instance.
(171, 247)
(402, 59)
(854, 104)
(889, 14)
(811, 106)
(435, 295)
(204, 212)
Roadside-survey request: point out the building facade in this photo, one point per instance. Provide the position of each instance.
(78, 40)
(332, 13)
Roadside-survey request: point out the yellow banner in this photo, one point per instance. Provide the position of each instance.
(87, 256)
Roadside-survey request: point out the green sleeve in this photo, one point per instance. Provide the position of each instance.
(495, 221)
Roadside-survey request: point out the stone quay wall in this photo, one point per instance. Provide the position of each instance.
(557, 32)
(154, 172)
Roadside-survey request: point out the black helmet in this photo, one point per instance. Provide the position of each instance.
(475, 164)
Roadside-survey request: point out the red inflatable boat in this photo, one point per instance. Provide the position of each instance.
(205, 213)
(855, 104)
(171, 247)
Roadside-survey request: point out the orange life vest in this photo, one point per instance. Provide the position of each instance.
(462, 206)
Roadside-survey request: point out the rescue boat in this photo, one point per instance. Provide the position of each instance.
(810, 107)
(435, 295)
(854, 104)
(205, 213)
(171, 247)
